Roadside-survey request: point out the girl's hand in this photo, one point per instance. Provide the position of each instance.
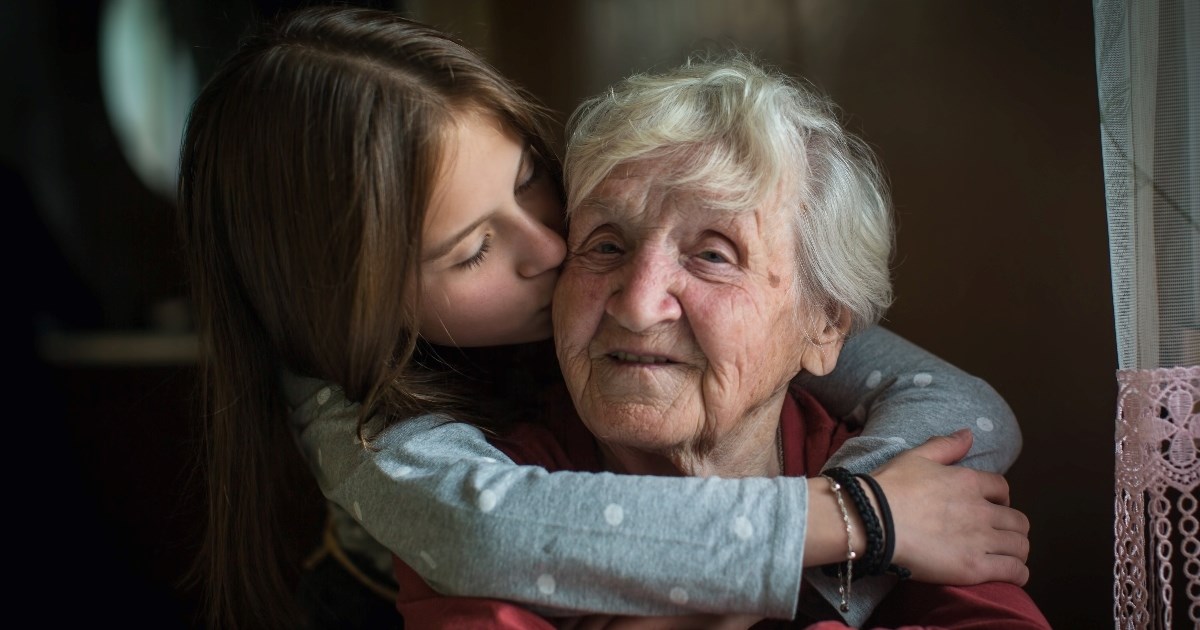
(953, 524)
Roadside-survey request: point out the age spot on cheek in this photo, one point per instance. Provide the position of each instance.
(773, 279)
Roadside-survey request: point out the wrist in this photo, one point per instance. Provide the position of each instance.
(825, 540)
(875, 557)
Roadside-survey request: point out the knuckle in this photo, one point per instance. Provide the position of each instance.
(1023, 548)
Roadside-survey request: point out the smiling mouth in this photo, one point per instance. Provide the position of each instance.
(626, 357)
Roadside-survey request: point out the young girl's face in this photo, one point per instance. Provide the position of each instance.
(492, 241)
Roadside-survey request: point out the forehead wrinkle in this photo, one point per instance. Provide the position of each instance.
(590, 214)
(615, 198)
(605, 207)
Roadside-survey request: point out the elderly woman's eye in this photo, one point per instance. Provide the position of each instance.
(713, 256)
(606, 247)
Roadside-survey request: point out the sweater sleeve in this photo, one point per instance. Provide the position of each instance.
(905, 395)
(475, 524)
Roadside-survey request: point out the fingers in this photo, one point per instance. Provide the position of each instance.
(1004, 568)
(1005, 563)
(993, 487)
(1007, 549)
(1010, 544)
(1011, 520)
(946, 449)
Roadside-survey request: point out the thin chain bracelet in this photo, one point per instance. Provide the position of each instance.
(873, 554)
(845, 571)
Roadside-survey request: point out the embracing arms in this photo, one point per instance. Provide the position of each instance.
(456, 510)
(903, 395)
(908, 396)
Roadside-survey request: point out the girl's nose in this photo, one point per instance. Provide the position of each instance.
(545, 249)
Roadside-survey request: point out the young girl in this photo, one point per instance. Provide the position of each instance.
(361, 194)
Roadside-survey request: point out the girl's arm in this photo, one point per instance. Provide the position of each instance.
(905, 395)
(472, 523)
(458, 511)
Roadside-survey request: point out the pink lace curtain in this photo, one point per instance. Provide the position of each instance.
(1158, 470)
(1148, 75)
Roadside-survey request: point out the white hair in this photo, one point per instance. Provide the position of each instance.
(746, 138)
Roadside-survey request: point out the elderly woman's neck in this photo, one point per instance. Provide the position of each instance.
(752, 449)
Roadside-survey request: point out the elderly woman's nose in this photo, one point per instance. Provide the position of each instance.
(644, 295)
(543, 249)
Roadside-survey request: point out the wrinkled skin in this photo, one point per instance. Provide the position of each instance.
(678, 327)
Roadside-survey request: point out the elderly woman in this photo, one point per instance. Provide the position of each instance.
(726, 236)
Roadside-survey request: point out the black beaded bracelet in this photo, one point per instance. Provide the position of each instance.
(889, 527)
(871, 562)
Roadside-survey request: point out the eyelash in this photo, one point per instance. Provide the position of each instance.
(477, 259)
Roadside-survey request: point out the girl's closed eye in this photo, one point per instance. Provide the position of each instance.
(477, 259)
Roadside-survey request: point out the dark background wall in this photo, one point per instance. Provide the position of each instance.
(984, 115)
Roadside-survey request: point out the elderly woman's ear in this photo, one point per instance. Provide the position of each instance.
(825, 338)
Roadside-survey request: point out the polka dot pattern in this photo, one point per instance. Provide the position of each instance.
(614, 514)
(742, 528)
(394, 469)
(487, 501)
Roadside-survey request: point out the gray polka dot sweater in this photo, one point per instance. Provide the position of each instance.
(457, 510)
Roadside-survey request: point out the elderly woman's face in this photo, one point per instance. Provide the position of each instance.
(675, 320)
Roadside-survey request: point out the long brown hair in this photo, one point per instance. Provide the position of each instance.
(305, 174)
